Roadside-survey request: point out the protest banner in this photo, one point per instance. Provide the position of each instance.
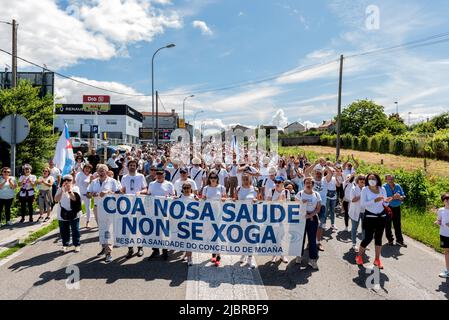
(235, 228)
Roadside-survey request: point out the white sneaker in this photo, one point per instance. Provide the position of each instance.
(313, 264)
(298, 260)
(242, 259)
(444, 274)
(64, 249)
(274, 259)
(346, 229)
(108, 258)
(77, 249)
(251, 263)
(189, 261)
(284, 259)
(355, 248)
(334, 227)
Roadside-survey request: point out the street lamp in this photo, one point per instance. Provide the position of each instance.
(397, 107)
(184, 106)
(152, 85)
(194, 120)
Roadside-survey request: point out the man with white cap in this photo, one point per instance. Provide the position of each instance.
(268, 183)
(197, 173)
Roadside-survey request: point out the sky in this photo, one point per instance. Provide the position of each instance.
(250, 62)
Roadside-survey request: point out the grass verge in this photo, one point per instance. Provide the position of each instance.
(32, 238)
(420, 226)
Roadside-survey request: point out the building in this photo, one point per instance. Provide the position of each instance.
(294, 127)
(167, 123)
(45, 80)
(329, 126)
(121, 124)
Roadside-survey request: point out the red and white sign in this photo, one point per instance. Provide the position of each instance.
(96, 103)
(96, 99)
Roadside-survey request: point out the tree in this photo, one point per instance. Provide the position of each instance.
(39, 146)
(441, 121)
(363, 117)
(396, 125)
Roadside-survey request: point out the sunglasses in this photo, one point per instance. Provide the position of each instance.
(278, 182)
(159, 173)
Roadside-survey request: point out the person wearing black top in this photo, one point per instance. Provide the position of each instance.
(94, 160)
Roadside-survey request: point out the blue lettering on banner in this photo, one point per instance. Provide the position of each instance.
(228, 214)
(293, 211)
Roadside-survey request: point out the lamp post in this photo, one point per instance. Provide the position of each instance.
(184, 106)
(194, 120)
(152, 85)
(397, 107)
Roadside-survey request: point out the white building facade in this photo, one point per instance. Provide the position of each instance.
(121, 124)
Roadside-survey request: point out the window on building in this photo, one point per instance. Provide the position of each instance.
(129, 123)
(111, 122)
(88, 121)
(70, 122)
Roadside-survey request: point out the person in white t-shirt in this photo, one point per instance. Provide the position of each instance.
(313, 201)
(184, 177)
(214, 191)
(98, 190)
(27, 182)
(160, 188)
(221, 172)
(45, 198)
(268, 183)
(443, 222)
(233, 180)
(197, 173)
(186, 196)
(279, 194)
(355, 210)
(247, 192)
(82, 181)
(349, 168)
(247, 169)
(134, 184)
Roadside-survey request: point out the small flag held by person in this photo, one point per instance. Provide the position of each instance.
(64, 159)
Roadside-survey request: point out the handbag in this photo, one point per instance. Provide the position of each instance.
(75, 206)
(388, 211)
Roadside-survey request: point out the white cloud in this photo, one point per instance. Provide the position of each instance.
(205, 30)
(85, 29)
(279, 119)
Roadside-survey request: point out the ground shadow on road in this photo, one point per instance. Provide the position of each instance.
(95, 268)
(444, 287)
(391, 252)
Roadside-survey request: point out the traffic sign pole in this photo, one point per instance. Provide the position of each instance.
(13, 143)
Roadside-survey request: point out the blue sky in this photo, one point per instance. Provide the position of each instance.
(221, 43)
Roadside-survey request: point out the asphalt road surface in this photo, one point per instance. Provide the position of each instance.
(40, 271)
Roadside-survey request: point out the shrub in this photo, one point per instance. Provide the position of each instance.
(355, 143)
(374, 144)
(364, 140)
(398, 146)
(346, 141)
(415, 187)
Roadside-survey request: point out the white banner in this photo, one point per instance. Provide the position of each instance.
(235, 228)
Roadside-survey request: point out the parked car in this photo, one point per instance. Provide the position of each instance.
(79, 145)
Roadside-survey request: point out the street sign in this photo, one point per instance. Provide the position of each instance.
(97, 103)
(95, 129)
(182, 124)
(22, 129)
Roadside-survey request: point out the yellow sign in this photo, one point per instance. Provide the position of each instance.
(182, 123)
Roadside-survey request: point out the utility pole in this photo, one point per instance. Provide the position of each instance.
(157, 118)
(14, 54)
(340, 88)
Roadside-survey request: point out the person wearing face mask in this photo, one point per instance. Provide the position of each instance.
(312, 200)
(374, 199)
(356, 211)
(395, 191)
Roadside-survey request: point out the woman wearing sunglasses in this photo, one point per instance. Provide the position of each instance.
(7, 186)
(187, 195)
(27, 182)
(214, 191)
(45, 198)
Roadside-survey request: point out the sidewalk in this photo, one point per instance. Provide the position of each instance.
(18, 232)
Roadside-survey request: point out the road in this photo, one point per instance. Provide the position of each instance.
(39, 271)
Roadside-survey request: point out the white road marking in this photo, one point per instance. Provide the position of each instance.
(228, 282)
